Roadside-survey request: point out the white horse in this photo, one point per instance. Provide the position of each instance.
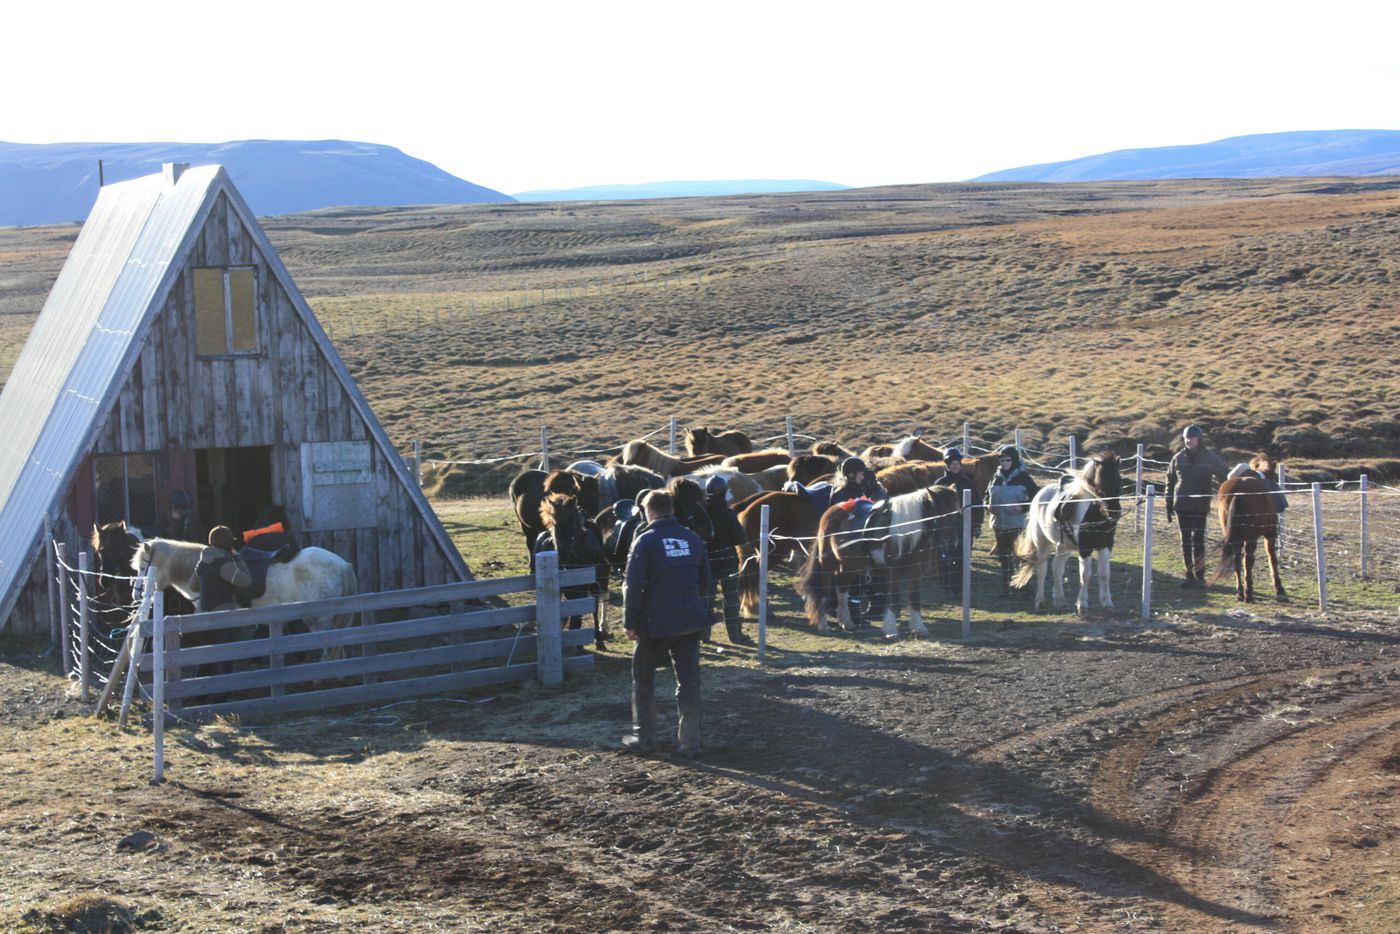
(1080, 514)
(314, 574)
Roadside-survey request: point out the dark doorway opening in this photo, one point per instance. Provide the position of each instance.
(233, 485)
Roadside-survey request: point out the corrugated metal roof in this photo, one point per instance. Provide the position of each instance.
(75, 357)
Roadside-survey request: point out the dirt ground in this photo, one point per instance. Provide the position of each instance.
(1203, 773)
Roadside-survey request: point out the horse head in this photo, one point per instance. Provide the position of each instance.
(1102, 475)
(113, 545)
(689, 500)
(697, 442)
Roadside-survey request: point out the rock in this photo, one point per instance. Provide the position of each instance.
(138, 842)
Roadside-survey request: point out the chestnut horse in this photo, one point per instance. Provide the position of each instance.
(701, 441)
(790, 515)
(917, 474)
(1247, 514)
(831, 449)
(758, 460)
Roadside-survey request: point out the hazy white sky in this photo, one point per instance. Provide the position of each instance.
(519, 95)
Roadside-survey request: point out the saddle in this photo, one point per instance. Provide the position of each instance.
(818, 494)
(258, 561)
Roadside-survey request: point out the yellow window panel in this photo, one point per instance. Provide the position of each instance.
(210, 324)
(244, 309)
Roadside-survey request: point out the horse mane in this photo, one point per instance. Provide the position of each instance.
(831, 449)
(554, 505)
(1263, 463)
(915, 448)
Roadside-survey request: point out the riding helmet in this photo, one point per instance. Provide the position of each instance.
(852, 466)
(1009, 450)
(179, 499)
(221, 537)
(1193, 431)
(952, 454)
(716, 486)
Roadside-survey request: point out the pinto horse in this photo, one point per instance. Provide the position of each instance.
(1247, 514)
(1081, 514)
(702, 441)
(903, 537)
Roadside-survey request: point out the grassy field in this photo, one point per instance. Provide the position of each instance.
(1263, 309)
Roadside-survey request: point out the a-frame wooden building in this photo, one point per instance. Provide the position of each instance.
(176, 354)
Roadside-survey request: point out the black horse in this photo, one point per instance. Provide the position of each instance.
(580, 545)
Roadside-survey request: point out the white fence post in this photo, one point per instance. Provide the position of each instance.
(1365, 528)
(966, 563)
(84, 654)
(1321, 554)
(418, 462)
(138, 643)
(967, 439)
(1282, 485)
(671, 444)
(1147, 553)
(158, 684)
(763, 536)
(65, 633)
(47, 551)
(544, 448)
(1017, 441)
(792, 444)
(1137, 491)
(1073, 452)
(550, 653)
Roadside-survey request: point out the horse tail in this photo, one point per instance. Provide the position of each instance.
(1227, 546)
(748, 580)
(349, 586)
(1026, 550)
(811, 583)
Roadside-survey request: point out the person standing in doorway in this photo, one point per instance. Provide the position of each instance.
(666, 609)
(1194, 474)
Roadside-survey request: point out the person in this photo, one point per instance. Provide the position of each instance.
(1192, 477)
(724, 555)
(1008, 500)
(959, 479)
(222, 574)
(183, 524)
(854, 480)
(666, 610)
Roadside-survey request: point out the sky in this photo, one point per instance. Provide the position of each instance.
(526, 95)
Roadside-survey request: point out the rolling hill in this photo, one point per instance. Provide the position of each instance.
(749, 186)
(1268, 155)
(52, 184)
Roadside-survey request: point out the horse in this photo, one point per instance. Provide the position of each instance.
(916, 474)
(903, 536)
(790, 515)
(1080, 513)
(738, 485)
(909, 448)
(113, 544)
(615, 482)
(314, 574)
(654, 459)
(579, 543)
(755, 461)
(587, 468)
(832, 450)
(528, 490)
(809, 468)
(701, 441)
(1247, 514)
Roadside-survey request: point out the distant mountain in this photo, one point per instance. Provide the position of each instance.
(54, 183)
(676, 190)
(1265, 155)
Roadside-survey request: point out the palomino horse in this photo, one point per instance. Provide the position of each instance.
(314, 574)
(658, 461)
(701, 441)
(903, 536)
(1081, 514)
(1247, 514)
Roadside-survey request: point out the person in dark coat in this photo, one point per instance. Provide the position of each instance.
(959, 479)
(1008, 500)
(183, 525)
(222, 574)
(666, 609)
(854, 480)
(1192, 478)
(724, 555)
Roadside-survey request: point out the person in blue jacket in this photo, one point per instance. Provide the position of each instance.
(666, 610)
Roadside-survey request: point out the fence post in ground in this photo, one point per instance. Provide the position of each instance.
(65, 605)
(1147, 552)
(671, 444)
(1016, 440)
(544, 448)
(1137, 491)
(84, 654)
(1073, 452)
(966, 563)
(967, 439)
(1365, 528)
(46, 550)
(1321, 554)
(1282, 485)
(138, 644)
(763, 536)
(792, 445)
(158, 684)
(418, 462)
(550, 653)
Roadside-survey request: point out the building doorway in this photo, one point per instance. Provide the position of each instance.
(233, 485)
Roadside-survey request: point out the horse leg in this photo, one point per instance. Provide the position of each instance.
(916, 607)
(1086, 580)
(1057, 586)
(843, 610)
(1249, 569)
(1237, 562)
(1042, 567)
(1105, 569)
(1271, 549)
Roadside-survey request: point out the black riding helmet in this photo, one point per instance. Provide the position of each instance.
(852, 466)
(716, 486)
(1009, 450)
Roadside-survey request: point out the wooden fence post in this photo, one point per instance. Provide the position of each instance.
(64, 605)
(966, 563)
(550, 651)
(84, 652)
(418, 462)
(1321, 554)
(1365, 528)
(1073, 452)
(1147, 553)
(792, 444)
(544, 448)
(764, 532)
(46, 549)
(158, 684)
(1137, 491)
(671, 448)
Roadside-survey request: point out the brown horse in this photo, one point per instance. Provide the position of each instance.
(789, 515)
(808, 468)
(667, 465)
(1247, 514)
(831, 449)
(701, 441)
(758, 460)
(579, 544)
(528, 490)
(911, 448)
(917, 474)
